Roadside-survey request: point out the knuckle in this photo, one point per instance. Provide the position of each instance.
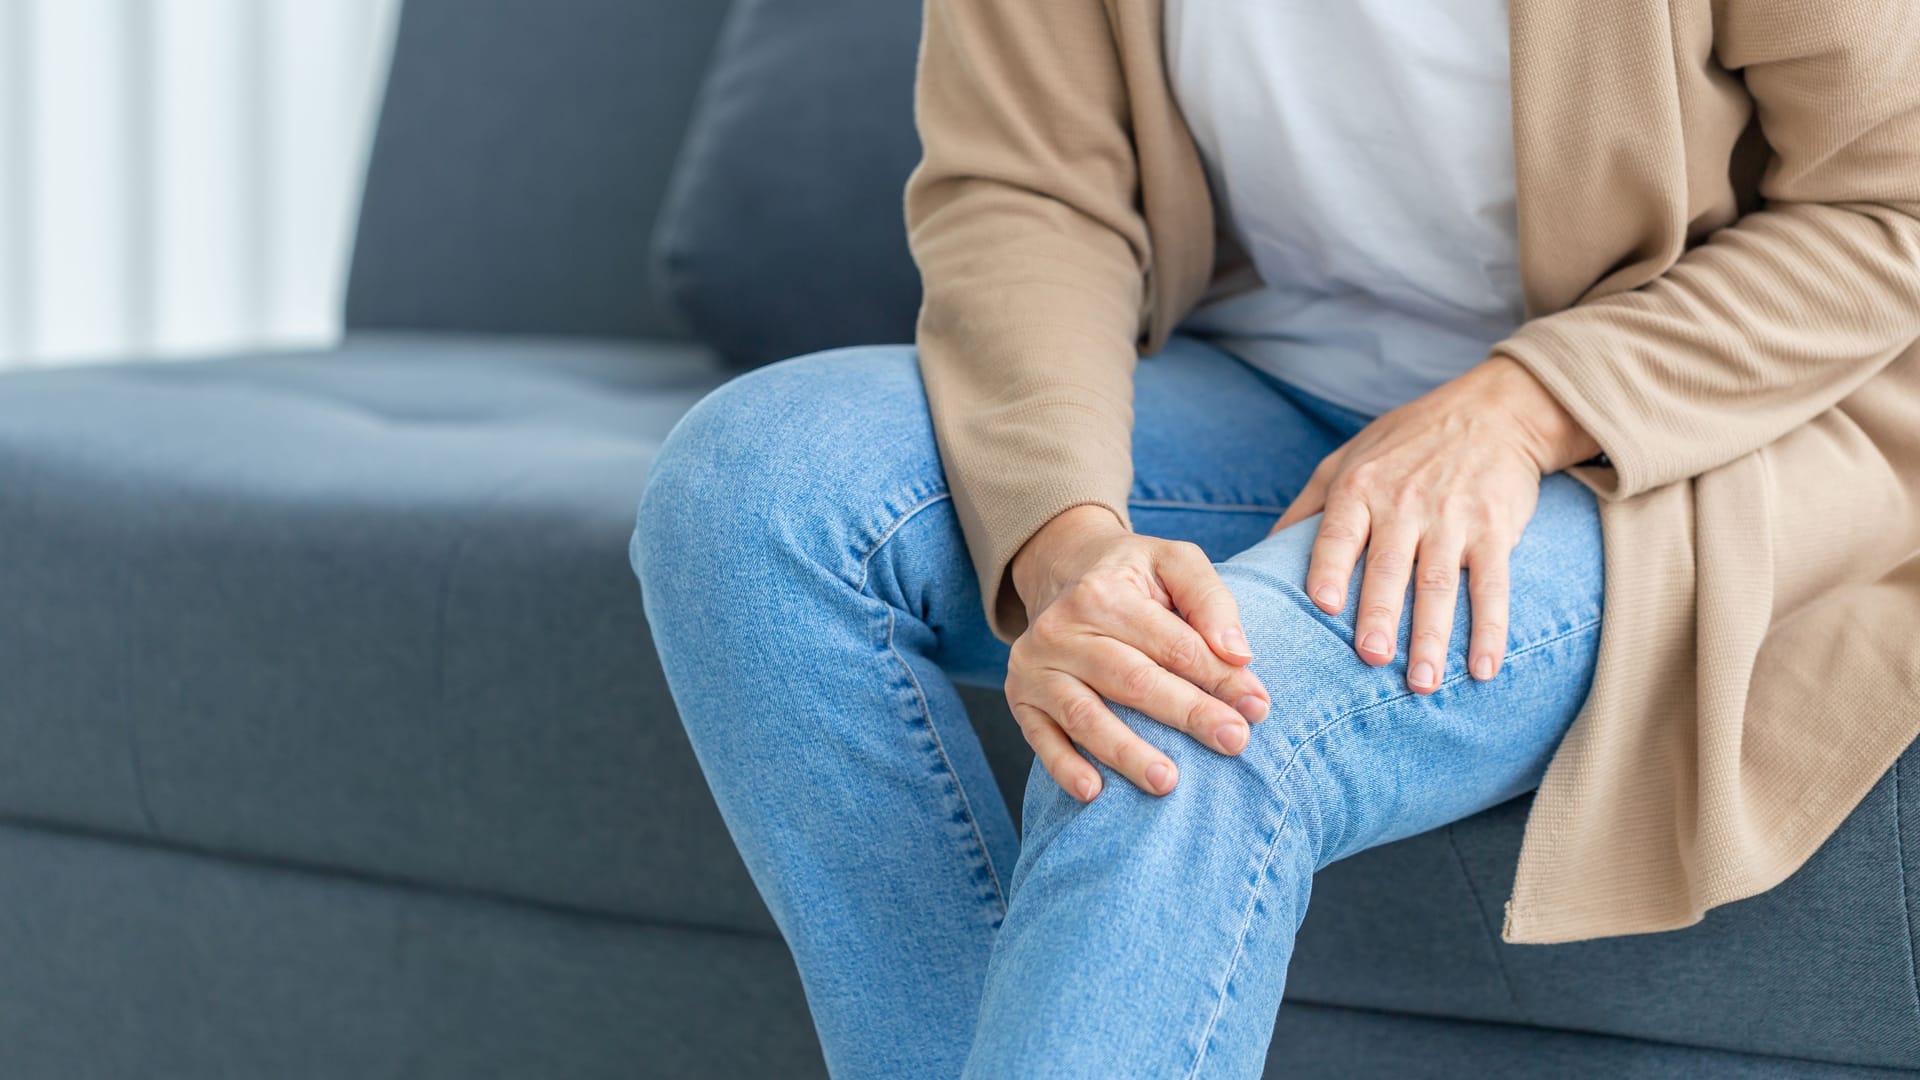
(1436, 577)
(1388, 559)
(1194, 719)
(1339, 530)
(1377, 612)
(1138, 681)
(1491, 626)
(1078, 717)
(1109, 586)
(1184, 653)
(1490, 580)
(1048, 626)
(1187, 550)
(1431, 635)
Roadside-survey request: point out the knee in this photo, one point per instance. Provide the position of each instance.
(1301, 768)
(765, 450)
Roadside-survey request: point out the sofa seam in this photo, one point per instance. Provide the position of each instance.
(1906, 896)
(174, 847)
(1486, 923)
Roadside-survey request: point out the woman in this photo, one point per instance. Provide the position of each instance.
(1511, 315)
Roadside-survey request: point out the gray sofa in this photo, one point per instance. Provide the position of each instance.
(332, 743)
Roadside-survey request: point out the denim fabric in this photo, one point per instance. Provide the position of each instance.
(813, 606)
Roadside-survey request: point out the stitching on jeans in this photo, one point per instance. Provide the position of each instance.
(1906, 899)
(1486, 924)
(1240, 939)
(926, 710)
(886, 534)
(1339, 719)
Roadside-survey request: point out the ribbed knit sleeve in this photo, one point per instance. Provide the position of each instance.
(1023, 218)
(1780, 315)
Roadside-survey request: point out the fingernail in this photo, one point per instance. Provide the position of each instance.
(1232, 737)
(1160, 776)
(1421, 675)
(1251, 707)
(1086, 789)
(1235, 642)
(1374, 642)
(1483, 668)
(1326, 596)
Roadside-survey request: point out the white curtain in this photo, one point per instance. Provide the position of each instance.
(180, 176)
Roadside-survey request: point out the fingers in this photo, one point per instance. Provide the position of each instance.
(1487, 567)
(1336, 548)
(1436, 585)
(1128, 676)
(1056, 753)
(1084, 718)
(1168, 641)
(1202, 599)
(1383, 589)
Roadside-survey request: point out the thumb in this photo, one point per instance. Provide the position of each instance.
(1203, 600)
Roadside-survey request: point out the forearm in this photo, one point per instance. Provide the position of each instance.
(1023, 220)
(1747, 337)
(1778, 316)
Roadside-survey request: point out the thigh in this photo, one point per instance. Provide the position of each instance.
(1348, 753)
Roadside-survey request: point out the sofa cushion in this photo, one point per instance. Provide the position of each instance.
(782, 231)
(523, 150)
(1818, 968)
(366, 610)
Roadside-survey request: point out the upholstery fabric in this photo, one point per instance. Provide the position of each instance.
(522, 153)
(125, 960)
(783, 231)
(368, 610)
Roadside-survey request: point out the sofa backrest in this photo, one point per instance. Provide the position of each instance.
(519, 163)
(783, 230)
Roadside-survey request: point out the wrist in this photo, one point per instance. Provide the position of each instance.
(1550, 434)
(1032, 567)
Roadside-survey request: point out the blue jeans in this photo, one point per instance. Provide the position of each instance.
(810, 594)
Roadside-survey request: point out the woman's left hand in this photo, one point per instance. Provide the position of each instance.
(1445, 482)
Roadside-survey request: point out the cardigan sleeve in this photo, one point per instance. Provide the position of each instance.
(1778, 316)
(1024, 220)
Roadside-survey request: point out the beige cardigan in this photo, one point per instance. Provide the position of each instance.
(1731, 308)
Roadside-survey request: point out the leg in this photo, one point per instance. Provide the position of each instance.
(811, 598)
(1151, 936)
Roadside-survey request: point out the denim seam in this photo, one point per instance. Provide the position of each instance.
(1337, 720)
(1906, 897)
(926, 710)
(1240, 939)
(1226, 508)
(1486, 925)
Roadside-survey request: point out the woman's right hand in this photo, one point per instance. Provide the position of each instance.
(1139, 620)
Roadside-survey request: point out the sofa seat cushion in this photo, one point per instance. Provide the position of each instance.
(1820, 968)
(367, 609)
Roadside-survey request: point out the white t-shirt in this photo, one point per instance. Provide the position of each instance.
(1362, 152)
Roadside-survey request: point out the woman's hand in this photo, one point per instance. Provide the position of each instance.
(1446, 481)
(1143, 621)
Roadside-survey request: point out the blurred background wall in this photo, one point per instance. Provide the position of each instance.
(180, 176)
